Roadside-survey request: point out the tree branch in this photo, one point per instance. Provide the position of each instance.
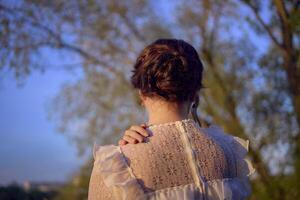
(265, 26)
(132, 27)
(59, 42)
(285, 26)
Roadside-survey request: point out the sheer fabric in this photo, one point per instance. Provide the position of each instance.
(179, 161)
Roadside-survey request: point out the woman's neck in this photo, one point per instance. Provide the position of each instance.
(166, 114)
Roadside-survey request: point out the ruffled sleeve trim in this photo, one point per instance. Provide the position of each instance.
(244, 164)
(116, 175)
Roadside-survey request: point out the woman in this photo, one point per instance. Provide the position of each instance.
(176, 157)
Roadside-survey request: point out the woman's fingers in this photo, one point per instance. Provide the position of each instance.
(122, 142)
(134, 135)
(140, 129)
(129, 139)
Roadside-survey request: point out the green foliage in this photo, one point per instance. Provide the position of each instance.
(77, 189)
(252, 82)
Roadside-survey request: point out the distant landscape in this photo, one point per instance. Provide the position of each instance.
(30, 191)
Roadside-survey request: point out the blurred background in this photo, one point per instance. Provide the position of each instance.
(64, 84)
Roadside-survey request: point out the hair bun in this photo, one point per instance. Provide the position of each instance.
(169, 68)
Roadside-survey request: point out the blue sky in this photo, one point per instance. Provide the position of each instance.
(30, 146)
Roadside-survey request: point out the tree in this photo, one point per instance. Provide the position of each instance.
(281, 67)
(251, 93)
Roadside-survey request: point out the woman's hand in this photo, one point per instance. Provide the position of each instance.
(134, 134)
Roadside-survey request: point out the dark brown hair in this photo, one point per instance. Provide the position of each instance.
(170, 68)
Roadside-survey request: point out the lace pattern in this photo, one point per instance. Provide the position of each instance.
(161, 168)
(215, 158)
(160, 162)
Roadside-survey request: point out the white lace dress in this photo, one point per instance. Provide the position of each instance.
(180, 161)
